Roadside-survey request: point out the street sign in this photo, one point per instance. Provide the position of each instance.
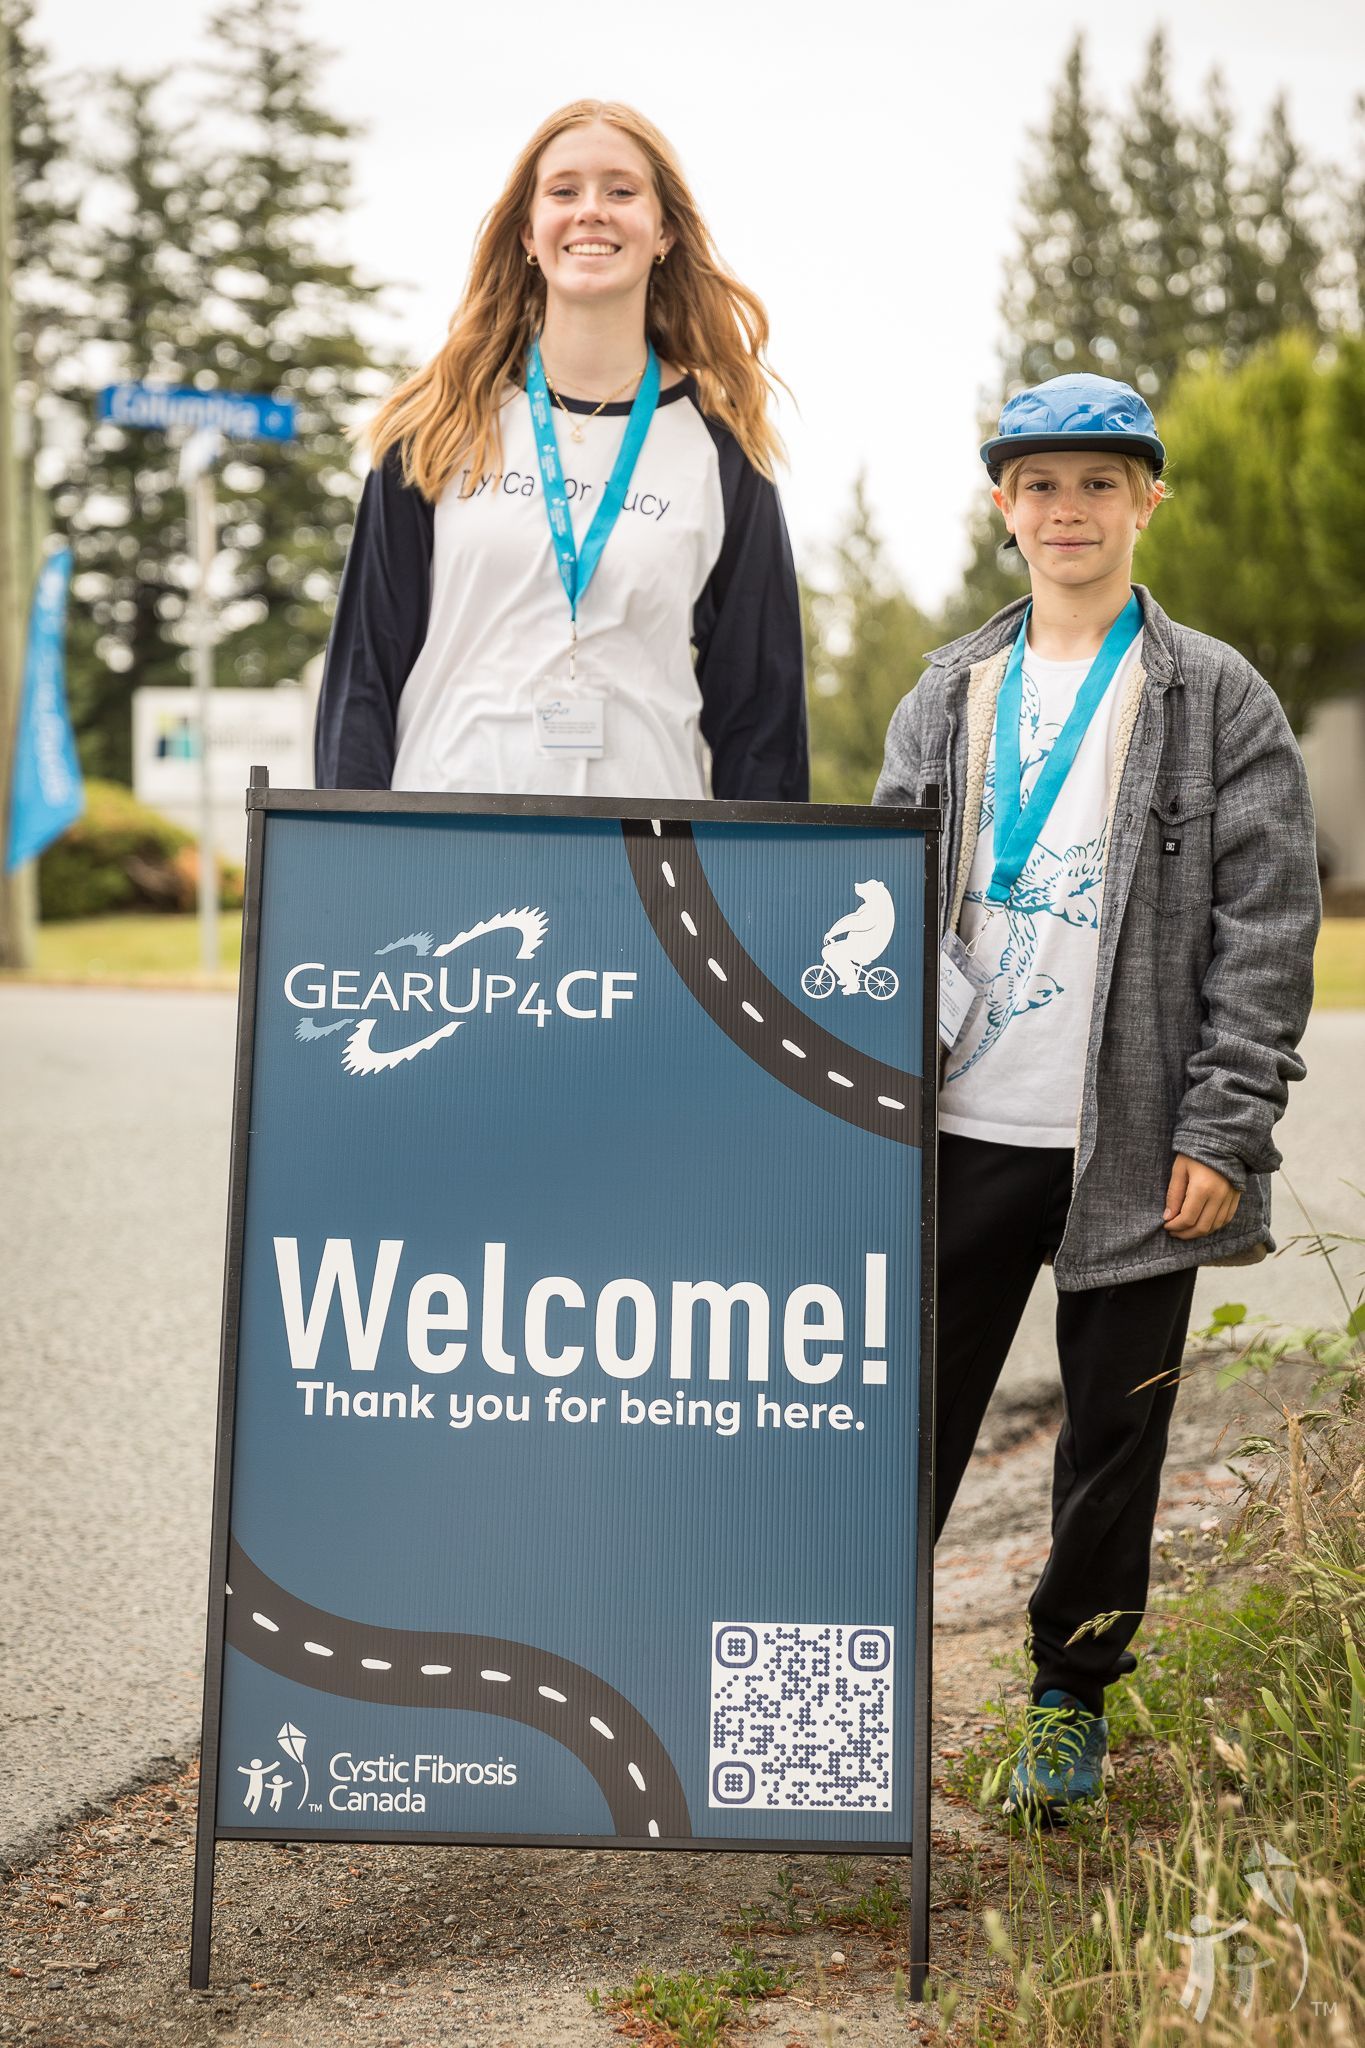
(241, 415)
(202, 417)
(574, 1479)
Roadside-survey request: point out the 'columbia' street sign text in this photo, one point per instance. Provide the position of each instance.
(241, 415)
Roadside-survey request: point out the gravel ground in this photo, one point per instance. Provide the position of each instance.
(318, 1945)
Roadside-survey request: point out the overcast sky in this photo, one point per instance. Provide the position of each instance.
(858, 163)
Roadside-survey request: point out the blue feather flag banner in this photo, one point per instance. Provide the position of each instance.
(47, 793)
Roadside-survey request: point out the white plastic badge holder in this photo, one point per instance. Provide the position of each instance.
(573, 728)
(959, 990)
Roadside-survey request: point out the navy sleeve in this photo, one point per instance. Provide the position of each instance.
(746, 627)
(377, 634)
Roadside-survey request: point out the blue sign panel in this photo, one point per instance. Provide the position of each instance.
(576, 1330)
(241, 415)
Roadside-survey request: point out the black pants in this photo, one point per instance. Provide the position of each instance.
(1001, 1213)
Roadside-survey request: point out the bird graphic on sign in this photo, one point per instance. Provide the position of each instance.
(359, 1055)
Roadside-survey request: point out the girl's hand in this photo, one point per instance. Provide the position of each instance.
(1198, 1200)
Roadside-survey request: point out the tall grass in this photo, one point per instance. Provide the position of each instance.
(1270, 1793)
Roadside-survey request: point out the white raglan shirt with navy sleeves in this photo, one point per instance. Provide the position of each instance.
(452, 621)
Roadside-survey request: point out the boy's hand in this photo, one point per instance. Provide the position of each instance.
(1198, 1200)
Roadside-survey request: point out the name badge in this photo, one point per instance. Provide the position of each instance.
(959, 990)
(575, 728)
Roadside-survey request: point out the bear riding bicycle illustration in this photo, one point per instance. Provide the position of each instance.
(851, 945)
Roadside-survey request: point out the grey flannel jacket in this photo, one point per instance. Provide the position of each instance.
(1205, 973)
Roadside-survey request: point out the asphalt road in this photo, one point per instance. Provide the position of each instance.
(115, 1127)
(113, 1122)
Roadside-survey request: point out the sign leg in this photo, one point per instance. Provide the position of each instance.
(919, 1924)
(201, 1924)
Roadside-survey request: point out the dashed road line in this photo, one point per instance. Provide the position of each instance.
(414, 1667)
(749, 1008)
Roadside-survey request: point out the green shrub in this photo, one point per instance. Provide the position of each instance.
(120, 855)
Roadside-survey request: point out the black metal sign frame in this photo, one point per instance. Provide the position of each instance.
(261, 802)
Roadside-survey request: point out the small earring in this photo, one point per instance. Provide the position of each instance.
(532, 258)
(660, 257)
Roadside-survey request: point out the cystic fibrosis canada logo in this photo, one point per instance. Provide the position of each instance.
(266, 1783)
(399, 1003)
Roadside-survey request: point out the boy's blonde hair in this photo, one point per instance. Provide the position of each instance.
(1137, 474)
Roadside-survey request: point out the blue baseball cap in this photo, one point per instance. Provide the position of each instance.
(1075, 412)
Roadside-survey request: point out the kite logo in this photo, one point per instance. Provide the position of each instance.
(437, 989)
(267, 1782)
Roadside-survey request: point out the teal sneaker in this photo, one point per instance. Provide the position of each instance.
(1063, 1760)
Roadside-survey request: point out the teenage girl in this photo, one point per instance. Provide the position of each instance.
(570, 571)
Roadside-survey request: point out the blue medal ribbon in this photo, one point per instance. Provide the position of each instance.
(576, 566)
(1019, 825)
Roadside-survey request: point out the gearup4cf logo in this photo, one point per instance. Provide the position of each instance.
(400, 1001)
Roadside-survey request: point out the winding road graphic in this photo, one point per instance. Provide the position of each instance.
(750, 1009)
(396, 1667)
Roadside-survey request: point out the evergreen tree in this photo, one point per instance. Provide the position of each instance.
(1187, 259)
(1333, 492)
(1280, 251)
(119, 498)
(281, 317)
(1225, 274)
(42, 255)
(41, 144)
(1352, 236)
(866, 644)
(1162, 320)
(1238, 551)
(1062, 298)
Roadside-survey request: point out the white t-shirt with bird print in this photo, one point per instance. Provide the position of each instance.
(1014, 1077)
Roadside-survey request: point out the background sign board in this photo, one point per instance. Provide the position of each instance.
(572, 1479)
(240, 415)
(274, 726)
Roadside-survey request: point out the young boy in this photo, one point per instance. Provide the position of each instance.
(1130, 884)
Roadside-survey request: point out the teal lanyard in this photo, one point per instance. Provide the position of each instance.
(1018, 826)
(576, 567)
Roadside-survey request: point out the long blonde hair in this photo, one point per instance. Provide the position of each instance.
(698, 317)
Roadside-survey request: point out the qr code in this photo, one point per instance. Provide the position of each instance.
(801, 1716)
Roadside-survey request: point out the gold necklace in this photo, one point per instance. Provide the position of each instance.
(578, 419)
